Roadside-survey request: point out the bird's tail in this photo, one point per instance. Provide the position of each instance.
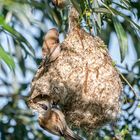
(70, 135)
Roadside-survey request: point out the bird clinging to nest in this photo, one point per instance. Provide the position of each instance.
(50, 51)
(51, 47)
(53, 120)
(61, 3)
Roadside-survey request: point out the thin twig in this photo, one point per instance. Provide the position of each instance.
(128, 84)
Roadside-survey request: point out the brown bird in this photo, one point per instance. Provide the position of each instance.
(51, 46)
(53, 120)
(50, 51)
(61, 3)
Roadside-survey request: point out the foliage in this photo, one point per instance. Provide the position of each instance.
(22, 26)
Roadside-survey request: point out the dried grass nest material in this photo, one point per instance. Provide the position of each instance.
(83, 81)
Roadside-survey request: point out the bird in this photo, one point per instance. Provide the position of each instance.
(51, 47)
(50, 51)
(61, 3)
(53, 120)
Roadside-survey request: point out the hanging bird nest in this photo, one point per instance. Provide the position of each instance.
(82, 81)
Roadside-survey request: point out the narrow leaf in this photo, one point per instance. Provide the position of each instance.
(135, 25)
(16, 35)
(7, 58)
(98, 20)
(101, 10)
(76, 4)
(122, 37)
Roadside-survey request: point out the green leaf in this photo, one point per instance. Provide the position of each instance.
(135, 25)
(116, 12)
(7, 58)
(107, 7)
(98, 20)
(17, 36)
(122, 37)
(121, 5)
(101, 10)
(126, 3)
(76, 4)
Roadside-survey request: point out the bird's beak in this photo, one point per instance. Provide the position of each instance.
(30, 101)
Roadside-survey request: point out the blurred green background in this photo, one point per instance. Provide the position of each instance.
(22, 26)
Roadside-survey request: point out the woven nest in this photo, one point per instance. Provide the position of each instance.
(82, 81)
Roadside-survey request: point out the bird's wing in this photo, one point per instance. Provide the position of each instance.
(60, 122)
(70, 135)
(63, 129)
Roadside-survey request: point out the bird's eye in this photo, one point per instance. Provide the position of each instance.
(43, 106)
